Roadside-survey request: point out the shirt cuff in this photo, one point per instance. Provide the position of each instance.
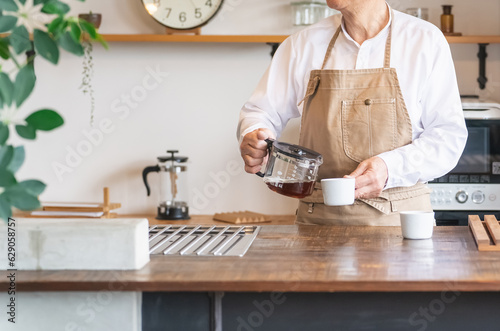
(393, 161)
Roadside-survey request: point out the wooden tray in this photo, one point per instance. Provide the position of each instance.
(78, 210)
(241, 217)
(486, 234)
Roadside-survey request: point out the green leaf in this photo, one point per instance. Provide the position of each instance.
(18, 197)
(89, 28)
(26, 131)
(20, 39)
(5, 209)
(6, 154)
(4, 49)
(55, 7)
(24, 84)
(8, 5)
(7, 23)
(6, 88)
(68, 43)
(57, 26)
(33, 186)
(45, 120)
(46, 46)
(75, 31)
(4, 133)
(7, 178)
(17, 159)
(103, 42)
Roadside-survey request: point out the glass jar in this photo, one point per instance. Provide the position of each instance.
(307, 13)
(422, 13)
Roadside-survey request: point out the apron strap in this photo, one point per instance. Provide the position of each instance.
(387, 56)
(330, 46)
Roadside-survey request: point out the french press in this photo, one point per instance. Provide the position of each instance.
(172, 171)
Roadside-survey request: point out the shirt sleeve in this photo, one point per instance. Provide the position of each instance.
(274, 101)
(438, 148)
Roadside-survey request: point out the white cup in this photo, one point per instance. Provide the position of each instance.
(417, 224)
(338, 191)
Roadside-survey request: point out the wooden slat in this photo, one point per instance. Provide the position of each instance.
(478, 231)
(488, 39)
(493, 227)
(473, 39)
(195, 38)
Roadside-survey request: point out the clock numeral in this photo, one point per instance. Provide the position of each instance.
(169, 10)
(208, 3)
(157, 3)
(182, 17)
(197, 13)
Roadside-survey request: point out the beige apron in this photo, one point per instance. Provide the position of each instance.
(350, 116)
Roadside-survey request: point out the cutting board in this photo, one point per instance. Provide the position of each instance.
(486, 233)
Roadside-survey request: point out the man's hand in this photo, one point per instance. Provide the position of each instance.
(371, 176)
(254, 149)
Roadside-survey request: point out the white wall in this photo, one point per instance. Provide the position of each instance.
(193, 109)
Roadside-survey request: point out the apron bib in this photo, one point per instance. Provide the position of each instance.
(348, 117)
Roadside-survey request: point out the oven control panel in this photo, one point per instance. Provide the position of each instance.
(465, 196)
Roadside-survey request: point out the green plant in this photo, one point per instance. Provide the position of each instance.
(30, 28)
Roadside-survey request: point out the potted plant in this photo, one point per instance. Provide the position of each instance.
(30, 29)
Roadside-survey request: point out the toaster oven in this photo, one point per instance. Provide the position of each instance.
(473, 186)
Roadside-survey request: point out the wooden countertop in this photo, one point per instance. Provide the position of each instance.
(208, 219)
(303, 259)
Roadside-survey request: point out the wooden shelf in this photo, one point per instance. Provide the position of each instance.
(194, 38)
(487, 39)
(473, 39)
(493, 39)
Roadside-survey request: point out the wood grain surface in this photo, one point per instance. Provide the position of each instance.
(303, 259)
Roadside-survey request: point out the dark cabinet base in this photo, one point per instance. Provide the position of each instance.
(446, 310)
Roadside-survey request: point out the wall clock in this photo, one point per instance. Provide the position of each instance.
(182, 14)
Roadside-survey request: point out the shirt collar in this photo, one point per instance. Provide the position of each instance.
(381, 34)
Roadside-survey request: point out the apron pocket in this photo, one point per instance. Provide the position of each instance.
(369, 127)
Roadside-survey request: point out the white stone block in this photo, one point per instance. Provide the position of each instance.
(73, 311)
(77, 244)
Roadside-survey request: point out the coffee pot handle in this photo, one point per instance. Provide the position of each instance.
(145, 173)
(269, 142)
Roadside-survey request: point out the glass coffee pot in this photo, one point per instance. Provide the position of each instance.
(291, 170)
(173, 181)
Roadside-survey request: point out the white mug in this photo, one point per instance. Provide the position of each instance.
(338, 191)
(417, 224)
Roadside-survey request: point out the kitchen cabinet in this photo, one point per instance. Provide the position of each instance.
(298, 277)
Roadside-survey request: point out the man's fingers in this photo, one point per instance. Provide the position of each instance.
(263, 134)
(359, 170)
(252, 162)
(253, 153)
(252, 170)
(363, 181)
(253, 149)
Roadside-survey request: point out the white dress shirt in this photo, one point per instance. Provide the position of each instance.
(426, 73)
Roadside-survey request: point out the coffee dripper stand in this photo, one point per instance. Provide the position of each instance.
(173, 179)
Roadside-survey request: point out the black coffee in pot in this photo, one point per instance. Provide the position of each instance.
(293, 189)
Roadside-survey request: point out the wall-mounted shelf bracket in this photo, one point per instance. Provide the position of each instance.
(274, 48)
(482, 55)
